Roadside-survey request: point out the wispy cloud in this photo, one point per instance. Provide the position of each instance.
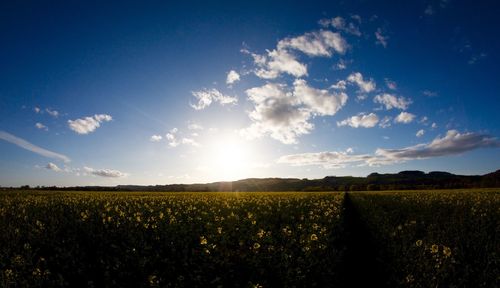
(206, 97)
(88, 124)
(391, 101)
(40, 126)
(420, 133)
(381, 38)
(452, 143)
(31, 147)
(53, 113)
(341, 24)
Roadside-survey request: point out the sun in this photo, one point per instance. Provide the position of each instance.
(228, 158)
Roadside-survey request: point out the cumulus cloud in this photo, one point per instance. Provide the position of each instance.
(53, 167)
(434, 125)
(104, 172)
(282, 60)
(232, 77)
(37, 110)
(156, 138)
(174, 141)
(340, 85)
(390, 101)
(360, 120)
(404, 117)
(31, 147)
(341, 24)
(285, 115)
(420, 133)
(365, 86)
(206, 97)
(452, 143)
(41, 126)
(319, 101)
(88, 124)
(381, 38)
(51, 112)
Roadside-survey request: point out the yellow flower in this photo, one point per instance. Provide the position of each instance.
(256, 245)
(314, 237)
(203, 240)
(446, 251)
(418, 243)
(434, 248)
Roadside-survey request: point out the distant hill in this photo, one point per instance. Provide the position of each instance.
(403, 180)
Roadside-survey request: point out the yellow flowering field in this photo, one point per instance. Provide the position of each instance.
(96, 239)
(434, 238)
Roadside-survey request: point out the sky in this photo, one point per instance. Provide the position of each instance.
(160, 92)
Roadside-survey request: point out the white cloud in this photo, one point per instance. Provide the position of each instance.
(434, 125)
(277, 62)
(277, 113)
(104, 172)
(321, 43)
(391, 84)
(156, 138)
(381, 39)
(391, 101)
(37, 110)
(31, 147)
(341, 85)
(88, 124)
(281, 60)
(477, 57)
(232, 77)
(52, 113)
(424, 120)
(404, 117)
(340, 24)
(341, 65)
(319, 101)
(420, 133)
(205, 97)
(360, 120)
(365, 86)
(285, 115)
(329, 160)
(452, 144)
(194, 126)
(41, 126)
(385, 122)
(53, 167)
(189, 141)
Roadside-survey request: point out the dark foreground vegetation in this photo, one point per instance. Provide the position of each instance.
(356, 239)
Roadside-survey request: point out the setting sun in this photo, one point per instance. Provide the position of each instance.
(228, 158)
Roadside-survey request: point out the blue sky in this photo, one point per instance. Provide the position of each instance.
(114, 93)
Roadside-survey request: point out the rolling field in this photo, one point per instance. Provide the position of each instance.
(295, 239)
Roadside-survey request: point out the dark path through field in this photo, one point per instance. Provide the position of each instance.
(362, 268)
